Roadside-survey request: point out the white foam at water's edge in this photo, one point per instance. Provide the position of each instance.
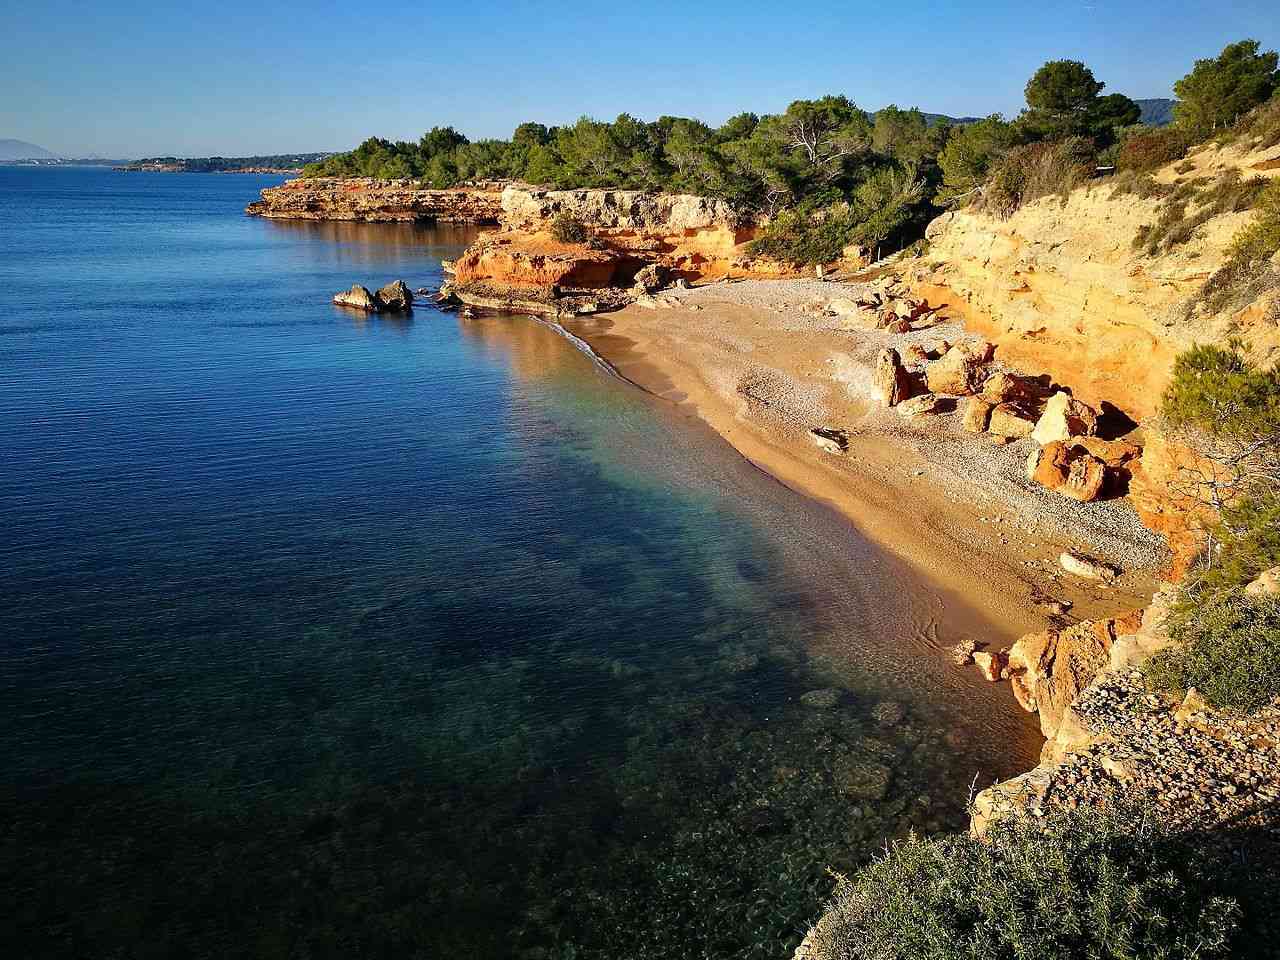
(582, 345)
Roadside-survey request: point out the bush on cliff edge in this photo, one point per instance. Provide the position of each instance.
(1227, 647)
(566, 228)
(1079, 885)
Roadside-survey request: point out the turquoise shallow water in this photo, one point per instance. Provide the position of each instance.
(329, 635)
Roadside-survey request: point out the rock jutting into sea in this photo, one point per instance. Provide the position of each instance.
(378, 201)
(395, 297)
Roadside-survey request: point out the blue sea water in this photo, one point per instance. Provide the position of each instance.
(332, 635)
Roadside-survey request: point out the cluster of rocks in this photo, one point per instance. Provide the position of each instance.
(395, 297)
(1071, 458)
(885, 307)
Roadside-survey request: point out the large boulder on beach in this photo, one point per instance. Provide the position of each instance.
(358, 298)
(395, 297)
(651, 278)
(919, 406)
(977, 414)
(1087, 568)
(960, 371)
(1068, 469)
(1065, 417)
(1003, 386)
(1014, 420)
(892, 380)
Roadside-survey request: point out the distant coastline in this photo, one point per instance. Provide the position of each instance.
(285, 163)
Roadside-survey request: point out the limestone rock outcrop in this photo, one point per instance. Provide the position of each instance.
(378, 201)
(632, 234)
(1048, 670)
(1060, 287)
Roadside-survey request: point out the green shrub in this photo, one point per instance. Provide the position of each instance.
(1152, 149)
(1081, 885)
(1227, 647)
(1037, 170)
(566, 228)
(1221, 392)
(885, 207)
(1248, 270)
(1248, 542)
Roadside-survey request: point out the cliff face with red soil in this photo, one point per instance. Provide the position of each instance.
(377, 201)
(693, 237)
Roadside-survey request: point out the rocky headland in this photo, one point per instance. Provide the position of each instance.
(525, 266)
(378, 201)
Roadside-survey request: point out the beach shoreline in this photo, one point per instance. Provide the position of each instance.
(994, 574)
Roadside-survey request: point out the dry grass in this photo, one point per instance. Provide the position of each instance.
(1190, 205)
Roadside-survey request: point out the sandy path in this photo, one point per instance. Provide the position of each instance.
(751, 361)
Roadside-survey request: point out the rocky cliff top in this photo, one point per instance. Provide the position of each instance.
(526, 207)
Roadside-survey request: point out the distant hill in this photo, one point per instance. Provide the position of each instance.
(1156, 112)
(954, 121)
(21, 150)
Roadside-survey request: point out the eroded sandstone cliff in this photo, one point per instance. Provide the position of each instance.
(693, 238)
(1059, 286)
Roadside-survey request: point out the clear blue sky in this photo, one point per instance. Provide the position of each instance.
(237, 77)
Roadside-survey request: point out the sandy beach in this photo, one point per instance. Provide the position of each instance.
(760, 363)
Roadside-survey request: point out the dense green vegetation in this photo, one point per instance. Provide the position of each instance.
(1226, 647)
(1219, 91)
(1080, 885)
(1226, 643)
(827, 174)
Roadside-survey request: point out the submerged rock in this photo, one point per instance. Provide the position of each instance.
(888, 713)
(861, 779)
(823, 699)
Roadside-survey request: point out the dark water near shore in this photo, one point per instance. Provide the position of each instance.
(329, 635)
